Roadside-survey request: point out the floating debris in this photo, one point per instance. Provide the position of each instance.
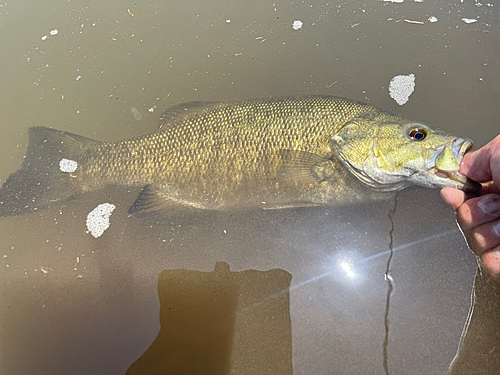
(417, 22)
(432, 19)
(331, 84)
(297, 24)
(66, 165)
(98, 219)
(54, 32)
(469, 20)
(136, 113)
(78, 78)
(401, 87)
(44, 37)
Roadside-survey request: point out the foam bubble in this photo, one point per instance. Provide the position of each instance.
(98, 219)
(401, 88)
(66, 165)
(297, 24)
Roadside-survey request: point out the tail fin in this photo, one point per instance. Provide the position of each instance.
(49, 174)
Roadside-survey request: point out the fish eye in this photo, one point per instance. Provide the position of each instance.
(417, 134)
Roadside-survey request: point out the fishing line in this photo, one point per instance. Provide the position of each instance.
(390, 286)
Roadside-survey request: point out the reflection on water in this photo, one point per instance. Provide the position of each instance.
(479, 351)
(72, 303)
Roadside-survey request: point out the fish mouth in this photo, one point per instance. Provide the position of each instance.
(447, 163)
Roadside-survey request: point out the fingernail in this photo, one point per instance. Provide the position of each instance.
(496, 229)
(490, 204)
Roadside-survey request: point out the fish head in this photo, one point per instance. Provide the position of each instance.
(390, 153)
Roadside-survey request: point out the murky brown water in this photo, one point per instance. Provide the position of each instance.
(72, 303)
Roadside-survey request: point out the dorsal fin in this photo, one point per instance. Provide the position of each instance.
(181, 110)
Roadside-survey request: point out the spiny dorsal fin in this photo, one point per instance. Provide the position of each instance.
(181, 110)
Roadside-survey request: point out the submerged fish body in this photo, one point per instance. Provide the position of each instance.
(270, 153)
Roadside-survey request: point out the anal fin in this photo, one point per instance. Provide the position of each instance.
(152, 201)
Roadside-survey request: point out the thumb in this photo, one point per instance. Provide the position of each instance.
(484, 164)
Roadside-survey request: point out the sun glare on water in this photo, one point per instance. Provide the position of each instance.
(347, 268)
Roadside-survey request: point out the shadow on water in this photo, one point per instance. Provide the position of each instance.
(221, 322)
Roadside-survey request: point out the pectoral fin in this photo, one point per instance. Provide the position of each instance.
(300, 167)
(151, 201)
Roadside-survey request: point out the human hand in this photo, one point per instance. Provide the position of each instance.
(479, 216)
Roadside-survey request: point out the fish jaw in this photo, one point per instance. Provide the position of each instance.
(445, 165)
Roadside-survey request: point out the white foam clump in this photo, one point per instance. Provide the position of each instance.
(469, 20)
(401, 87)
(66, 165)
(98, 219)
(297, 24)
(54, 32)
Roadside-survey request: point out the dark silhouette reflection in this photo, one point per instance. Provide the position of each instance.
(479, 349)
(221, 322)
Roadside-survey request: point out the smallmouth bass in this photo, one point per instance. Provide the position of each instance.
(269, 153)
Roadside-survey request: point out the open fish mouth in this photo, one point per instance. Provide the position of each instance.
(447, 163)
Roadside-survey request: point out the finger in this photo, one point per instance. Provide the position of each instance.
(453, 197)
(477, 211)
(489, 188)
(484, 164)
(491, 262)
(484, 238)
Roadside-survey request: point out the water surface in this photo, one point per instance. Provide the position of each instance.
(73, 303)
